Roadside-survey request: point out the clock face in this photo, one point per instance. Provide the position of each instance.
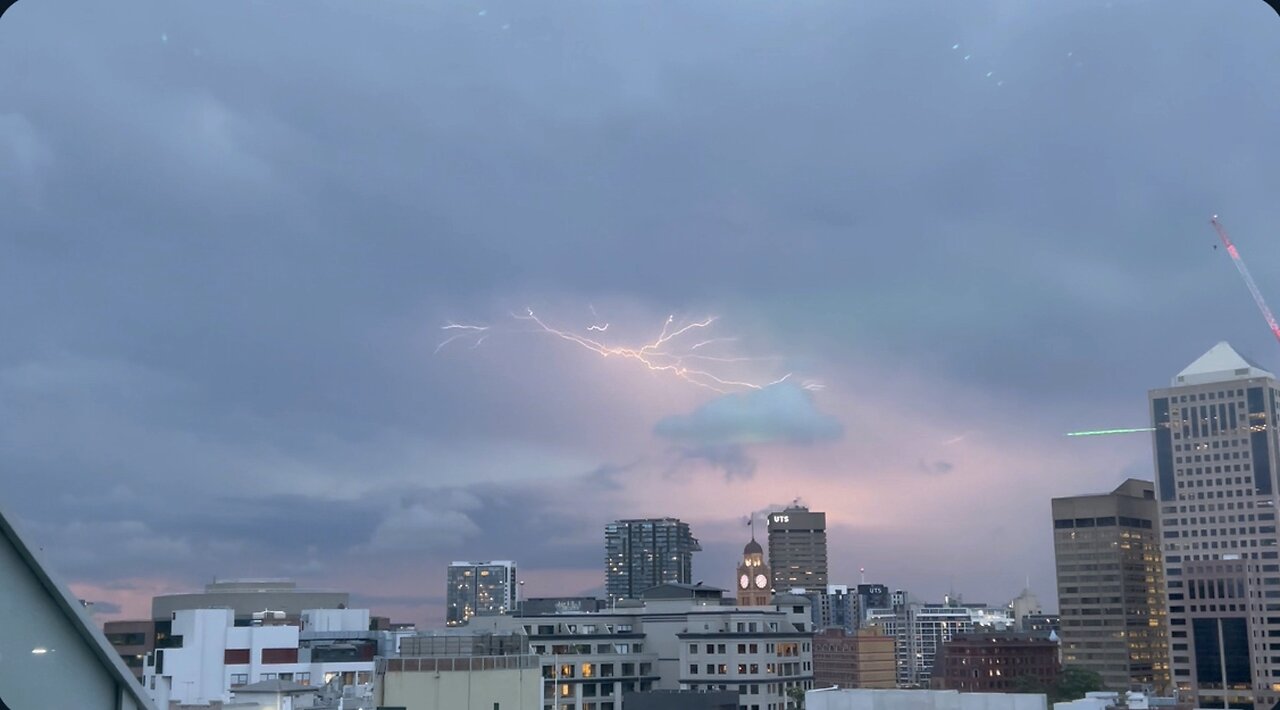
(744, 581)
(761, 581)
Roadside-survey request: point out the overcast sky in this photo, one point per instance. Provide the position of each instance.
(231, 233)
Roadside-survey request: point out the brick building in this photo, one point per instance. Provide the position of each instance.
(995, 663)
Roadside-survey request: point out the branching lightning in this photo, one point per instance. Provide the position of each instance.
(697, 363)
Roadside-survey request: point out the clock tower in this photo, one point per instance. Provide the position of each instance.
(753, 576)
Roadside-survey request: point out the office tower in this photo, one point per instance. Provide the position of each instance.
(798, 549)
(870, 596)
(1215, 450)
(754, 579)
(479, 589)
(1110, 597)
(641, 554)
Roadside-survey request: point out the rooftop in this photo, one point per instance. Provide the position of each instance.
(1220, 364)
(284, 687)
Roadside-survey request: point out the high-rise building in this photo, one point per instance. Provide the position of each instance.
(798, 549)
(642, 554)
(754, 579)
(1107, 549)
(1216, 447)
(479, 589)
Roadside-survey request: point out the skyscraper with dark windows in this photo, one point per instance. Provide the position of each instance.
(1215, 448)
(641, 554)
(798, 549)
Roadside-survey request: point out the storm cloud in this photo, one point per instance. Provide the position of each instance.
(231, 233)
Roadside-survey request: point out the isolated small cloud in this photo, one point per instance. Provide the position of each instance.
(782, 413)
(936, 468)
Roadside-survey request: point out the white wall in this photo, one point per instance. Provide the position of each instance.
(462, 690)
(862, 699)
(198, 673)
(336, 619)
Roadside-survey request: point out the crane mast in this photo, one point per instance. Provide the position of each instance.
(1248, 279)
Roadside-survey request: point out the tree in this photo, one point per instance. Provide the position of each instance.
(797, 694)
(1030, 684)
(1073, 683)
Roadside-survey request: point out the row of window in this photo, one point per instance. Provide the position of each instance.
(575, 629)
(585, 649)
(1252, 530)
(239, 679)
(593, 690)
(594, 670)
(789, 648)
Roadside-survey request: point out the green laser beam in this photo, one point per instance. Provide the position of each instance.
(1105, 432)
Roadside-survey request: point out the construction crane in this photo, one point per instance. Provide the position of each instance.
(1248, 279)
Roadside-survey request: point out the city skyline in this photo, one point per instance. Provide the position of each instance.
(229, 257)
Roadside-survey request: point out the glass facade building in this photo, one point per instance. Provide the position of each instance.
(642, 554)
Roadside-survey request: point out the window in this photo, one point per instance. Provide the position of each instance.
(238, 679)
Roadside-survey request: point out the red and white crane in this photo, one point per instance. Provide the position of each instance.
(1248, 280)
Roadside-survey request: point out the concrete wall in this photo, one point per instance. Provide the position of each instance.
(861, 699)
(518, 689)
(336, 619)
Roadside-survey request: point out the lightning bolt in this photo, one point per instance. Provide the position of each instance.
(667, 353)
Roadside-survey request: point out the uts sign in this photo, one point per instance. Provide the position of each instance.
(782, 518)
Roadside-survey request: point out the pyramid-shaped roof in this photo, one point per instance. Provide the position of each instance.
(1220, 364)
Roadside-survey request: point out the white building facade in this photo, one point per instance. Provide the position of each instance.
(680, 637)
(208, 657)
